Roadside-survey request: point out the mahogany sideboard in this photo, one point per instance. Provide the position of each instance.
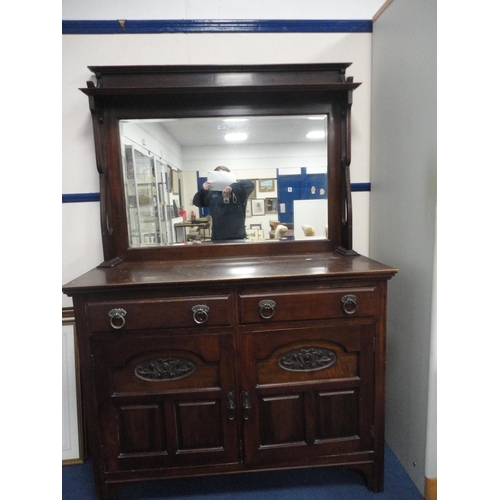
(244, 364)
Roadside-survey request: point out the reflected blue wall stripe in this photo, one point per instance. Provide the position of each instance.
(114, 27)
(85, 197)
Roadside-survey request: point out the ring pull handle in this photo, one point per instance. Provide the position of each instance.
(246, 405)
(200, 314)
(267, 309)
(231, 405)
(117, 318)
(349, 304)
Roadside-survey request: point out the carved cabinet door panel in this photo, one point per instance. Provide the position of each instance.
(308, 392)
(165, 400)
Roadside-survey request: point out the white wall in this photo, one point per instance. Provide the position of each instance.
(220, 9)
(79, 51)
(403, 217)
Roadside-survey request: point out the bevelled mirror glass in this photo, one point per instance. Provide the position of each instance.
(166, 161)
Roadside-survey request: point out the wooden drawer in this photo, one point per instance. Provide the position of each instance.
(177, 312)
(307, 304)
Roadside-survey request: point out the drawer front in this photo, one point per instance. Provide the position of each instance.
(180, 312)
(307, 304)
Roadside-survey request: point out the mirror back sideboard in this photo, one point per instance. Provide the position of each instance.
(210, 359)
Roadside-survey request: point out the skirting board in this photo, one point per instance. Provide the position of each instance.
(431, 489)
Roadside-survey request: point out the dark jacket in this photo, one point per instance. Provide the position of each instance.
(228, 219)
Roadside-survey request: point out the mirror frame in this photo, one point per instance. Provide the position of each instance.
(155, 92)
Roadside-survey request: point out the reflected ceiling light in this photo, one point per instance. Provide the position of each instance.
(318, 117)
(235, 119)
(316, 134)
(244, 270)
(235, 137)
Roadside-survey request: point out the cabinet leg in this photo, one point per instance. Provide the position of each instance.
(112, 491)
(107, 491)
(374, 479)
(375, 484)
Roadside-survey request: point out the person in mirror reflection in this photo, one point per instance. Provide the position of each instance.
(227, 207)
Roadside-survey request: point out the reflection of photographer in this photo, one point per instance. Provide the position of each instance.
(226, 198)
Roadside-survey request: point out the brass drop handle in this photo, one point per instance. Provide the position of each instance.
(267, 309)
(246, 405)
(349, 304)
(231, 405)
(117, 318)
(200, 314)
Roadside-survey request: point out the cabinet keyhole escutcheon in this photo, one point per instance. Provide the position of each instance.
(267, 309)
(200, 314)
(246, 405)
(117, 318)
(231, 406)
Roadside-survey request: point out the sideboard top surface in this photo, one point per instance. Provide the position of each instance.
(131, 274)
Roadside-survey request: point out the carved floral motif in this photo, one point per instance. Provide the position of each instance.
(308, 359)
(165, 369)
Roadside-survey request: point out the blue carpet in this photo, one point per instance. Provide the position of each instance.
(325, 483)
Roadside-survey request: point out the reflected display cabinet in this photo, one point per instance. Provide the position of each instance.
(147, 196)
(237, 356)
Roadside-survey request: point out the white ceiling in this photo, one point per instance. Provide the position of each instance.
(221, 9)
(260, 130)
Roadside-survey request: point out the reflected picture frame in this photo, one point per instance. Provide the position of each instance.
(252, 234)
(258, 207)
(253, 194)
(271, 205)
(266, 185)
(175, 182)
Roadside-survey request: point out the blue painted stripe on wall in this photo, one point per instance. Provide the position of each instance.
(360, 186)
(83, 197)
(80, 197)
(215, 26)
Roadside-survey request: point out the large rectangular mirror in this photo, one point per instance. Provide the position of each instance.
(166, 161)
(160, 130)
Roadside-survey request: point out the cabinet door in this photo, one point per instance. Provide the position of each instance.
(308, 392)
(165, 400)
